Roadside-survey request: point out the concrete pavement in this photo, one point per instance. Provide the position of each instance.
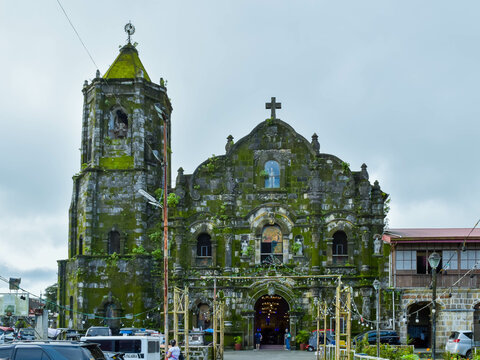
(270, 354)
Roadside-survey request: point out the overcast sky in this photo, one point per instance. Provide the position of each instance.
(394, 84)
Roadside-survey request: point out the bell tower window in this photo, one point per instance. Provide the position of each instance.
(113, 242)
(272, 172)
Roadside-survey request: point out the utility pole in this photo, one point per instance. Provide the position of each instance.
(434, 260)
(376, 285)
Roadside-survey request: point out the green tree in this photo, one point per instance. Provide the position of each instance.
(51, 297)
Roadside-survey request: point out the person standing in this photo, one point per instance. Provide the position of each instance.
(174, 351)
(258, 339)
(287, 339)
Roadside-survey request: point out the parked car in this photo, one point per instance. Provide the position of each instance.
(51, 350)
(386, 337)
(25, 334)
(8, 333)
(99, 331)
(312, 341)
(461, 342)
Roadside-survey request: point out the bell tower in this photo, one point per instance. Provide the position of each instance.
(124, 118)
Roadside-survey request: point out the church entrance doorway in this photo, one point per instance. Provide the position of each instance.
(272, 318)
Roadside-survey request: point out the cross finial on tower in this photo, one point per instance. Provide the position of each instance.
(130, 30)
(273, 105)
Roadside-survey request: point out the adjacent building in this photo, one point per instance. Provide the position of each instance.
(458, 293)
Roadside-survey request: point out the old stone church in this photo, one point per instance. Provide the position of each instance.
(272, 204)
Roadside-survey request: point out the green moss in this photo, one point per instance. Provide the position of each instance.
(117, 163)
(127, 65)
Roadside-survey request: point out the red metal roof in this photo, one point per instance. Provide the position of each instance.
(432, 234)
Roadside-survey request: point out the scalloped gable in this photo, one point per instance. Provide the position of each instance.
(273, 135)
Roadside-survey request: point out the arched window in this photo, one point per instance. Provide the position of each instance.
(118, 124)
(204, 245)
(272, 174)
(272, 244)
(113, 242)
(340, 248)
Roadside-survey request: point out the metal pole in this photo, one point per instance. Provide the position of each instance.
(325, 331)
(186, 321)
(393, 309)
(378, 322)
(165, 233)
(434, 311)
(349, 322)
(318, 331)
(337, 321)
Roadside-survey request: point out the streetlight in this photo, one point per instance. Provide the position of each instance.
(434, 260)
(376, 286)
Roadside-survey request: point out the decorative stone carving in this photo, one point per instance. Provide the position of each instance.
(364, 171)
(366, 294)
(229, 143)
(315, 144)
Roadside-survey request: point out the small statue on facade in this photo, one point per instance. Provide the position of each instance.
(377, 244)
(299, 246)
(244, 247)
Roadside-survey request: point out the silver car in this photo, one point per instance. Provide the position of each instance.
(460, 342)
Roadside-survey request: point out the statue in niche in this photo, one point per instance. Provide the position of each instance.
(244, 247)
(299, 246)
(377, 244)
(118, 124)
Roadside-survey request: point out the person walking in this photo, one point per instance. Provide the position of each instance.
(173, 351)
(258, 339)
(287, 339)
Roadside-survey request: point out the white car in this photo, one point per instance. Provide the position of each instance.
(461, 342)
(2, 339)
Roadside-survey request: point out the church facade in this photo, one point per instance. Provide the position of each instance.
(253, 225)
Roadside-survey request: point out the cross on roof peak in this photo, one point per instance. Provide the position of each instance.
(273, 105)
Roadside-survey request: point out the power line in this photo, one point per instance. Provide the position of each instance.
(78, 35)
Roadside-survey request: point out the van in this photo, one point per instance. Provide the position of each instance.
(134, 347)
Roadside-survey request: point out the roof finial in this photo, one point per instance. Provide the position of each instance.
(130, 30)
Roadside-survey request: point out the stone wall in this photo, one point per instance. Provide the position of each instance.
(455, 310)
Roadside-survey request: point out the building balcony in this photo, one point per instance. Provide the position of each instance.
(443, 280)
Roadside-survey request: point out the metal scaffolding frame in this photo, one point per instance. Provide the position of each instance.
(180, 307)
(218, 329)
(343, 310)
